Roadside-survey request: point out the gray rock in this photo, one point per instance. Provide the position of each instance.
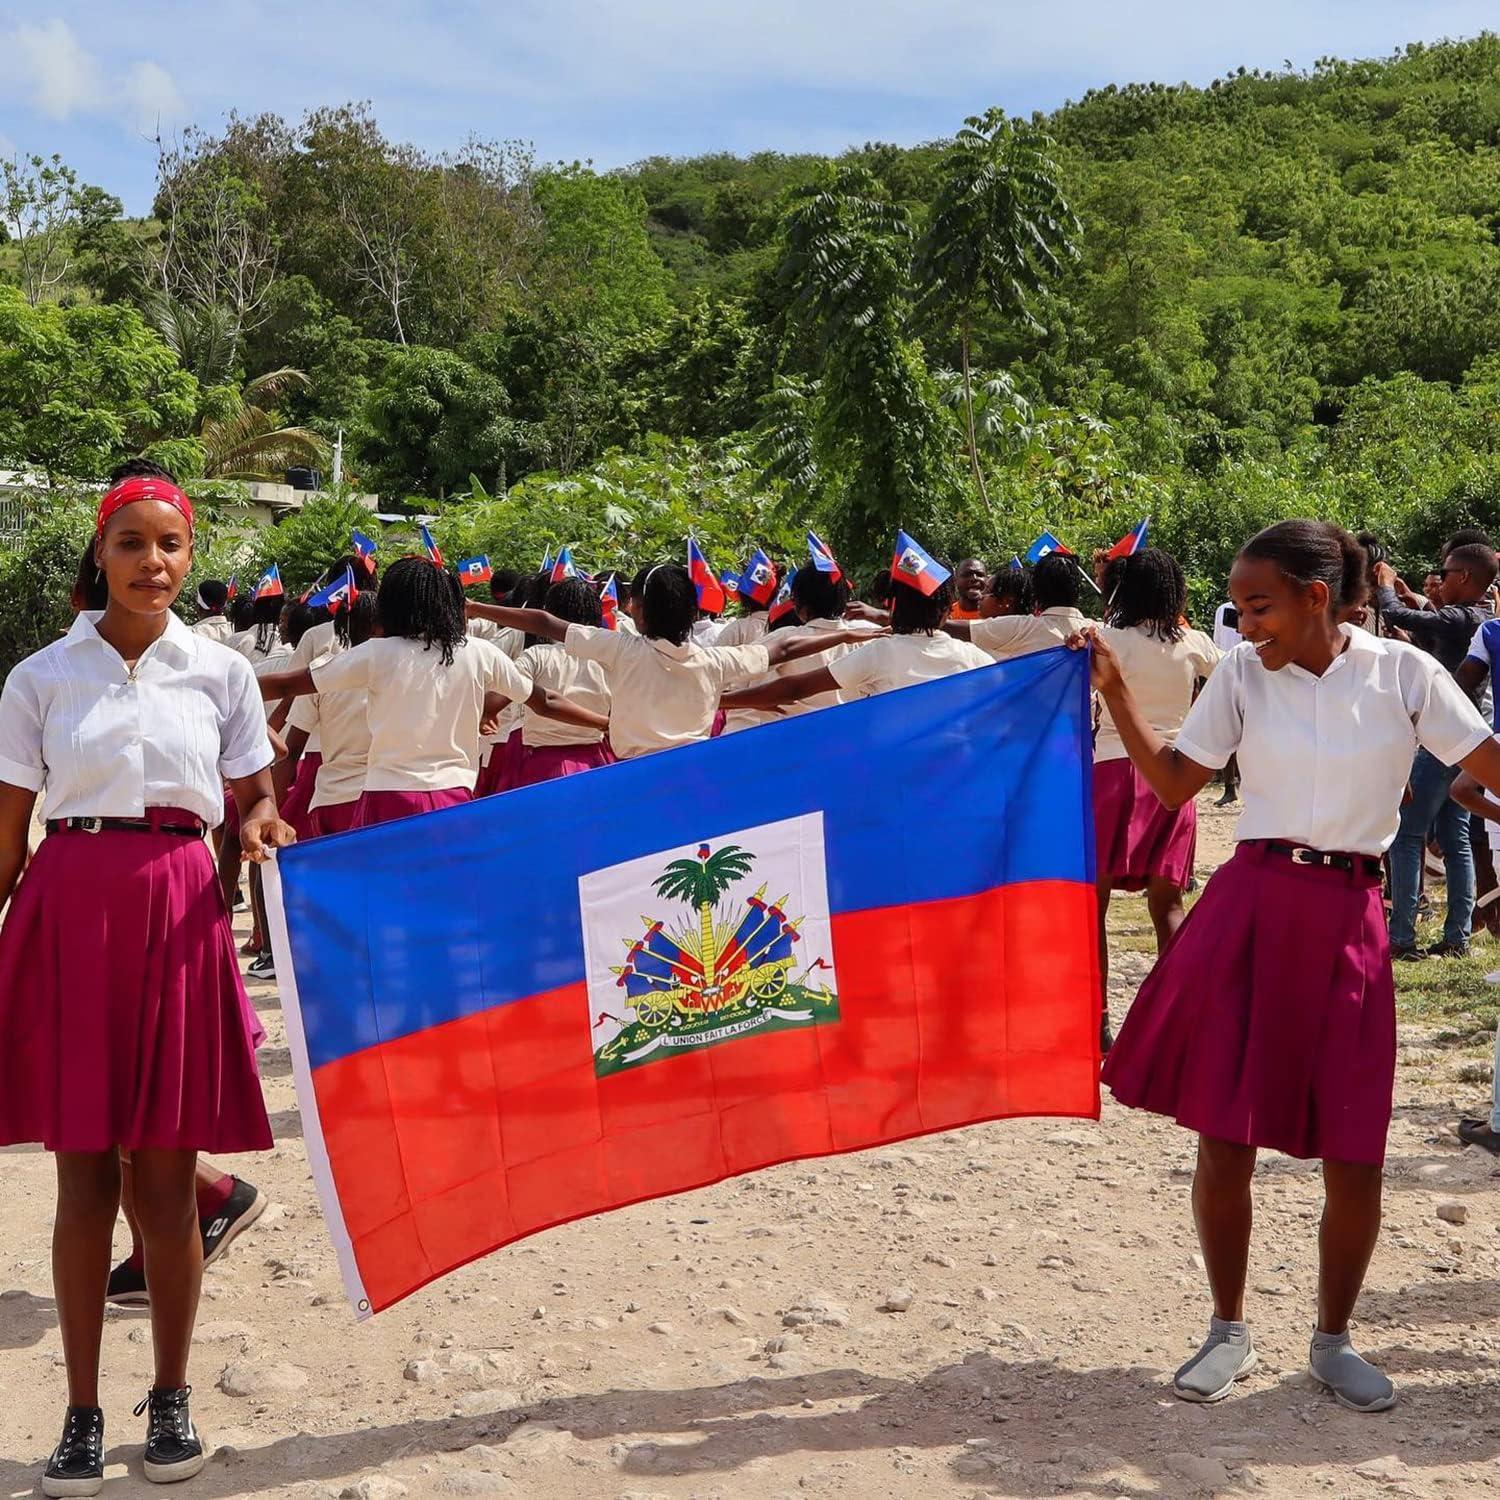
(897, 1300)
(373, 1487)
(1451, 1211)
(248, 1378)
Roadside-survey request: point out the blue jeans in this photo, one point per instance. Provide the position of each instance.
(1431, 805)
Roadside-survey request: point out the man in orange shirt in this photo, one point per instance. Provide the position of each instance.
(969, 581)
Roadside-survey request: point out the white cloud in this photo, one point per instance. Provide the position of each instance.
(45, 63)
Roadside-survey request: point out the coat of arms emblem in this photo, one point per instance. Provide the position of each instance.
(722, 953)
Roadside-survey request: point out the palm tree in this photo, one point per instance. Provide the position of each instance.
(246, 438)
(700, 882)
(1000, 229)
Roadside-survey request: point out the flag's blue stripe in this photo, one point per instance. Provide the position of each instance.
(942, 790)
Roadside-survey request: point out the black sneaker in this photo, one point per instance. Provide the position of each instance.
(246, 1204)
(1411, 955)
(127, 1286)
(77, 1463)
(1448, 950)
(174, 1451)
(262, 966)
(1478, 1133)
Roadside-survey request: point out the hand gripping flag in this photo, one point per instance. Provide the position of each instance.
(1043, 546)
(340, 594)
(740, 958)
(823, 560)
(1132, 541)
(269, 586)
(475, 570)
(362, 545)
(758, 582)
(430, 547)
(564, 567)
(914, 566)
(710, 592)
(609, 604)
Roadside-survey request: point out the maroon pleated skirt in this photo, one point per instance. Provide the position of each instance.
(1138, 838)
(123, 1017)
(1270, 1019)
(548, 762)
(333, 817)
(295, 809)
(498, 774)
(386, 807)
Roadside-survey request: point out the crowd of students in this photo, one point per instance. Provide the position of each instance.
(1268, 1020)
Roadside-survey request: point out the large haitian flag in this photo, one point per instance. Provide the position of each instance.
(837, 930)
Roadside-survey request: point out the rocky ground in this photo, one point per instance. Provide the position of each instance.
(994, 1312)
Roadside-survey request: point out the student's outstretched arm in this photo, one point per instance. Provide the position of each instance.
(1174, 777)
(552, 705)
(1481, 766)
(278, 685)
(1471, 796)
(261, 827)
(791, 689)
(784, 646)
(528, 621)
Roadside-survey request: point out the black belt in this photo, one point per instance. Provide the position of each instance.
(123, 825)
(1365, 864)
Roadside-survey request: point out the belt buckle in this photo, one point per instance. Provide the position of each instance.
(90, 825)
(1301, 856)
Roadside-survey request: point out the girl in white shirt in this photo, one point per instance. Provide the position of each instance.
(429, 687)
(664, 690)
(550, 748)
(1141, 844)
(917, 650)
(1270, 1019)
(122, 1014)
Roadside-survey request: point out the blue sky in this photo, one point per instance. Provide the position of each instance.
(616, 80)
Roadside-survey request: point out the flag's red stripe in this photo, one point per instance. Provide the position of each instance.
(451, 1142)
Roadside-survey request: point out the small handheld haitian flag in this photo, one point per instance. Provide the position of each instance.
(269, 586)
(546, 566)
(363, 545)
(729, 581)
(475, 570)
(609, 604)
(231, 589)
(823, 560)
(1131, 542)
(430, 547)
(758, 581)
(1044, 546)
(752, 963)
(564, 567)
(782, 604)
(340, 594)
(710, 592)
(914, 566)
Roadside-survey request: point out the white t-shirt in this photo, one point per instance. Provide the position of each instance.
(340, 723)
(583, 682)
(424, 717)
(1226, 636)
(662, 695)
(1324, 760)
(1008, 636)
(214, 628)
(107, 743)
(897, 661)
(1160, 675)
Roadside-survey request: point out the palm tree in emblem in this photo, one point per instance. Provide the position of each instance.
(700, 882)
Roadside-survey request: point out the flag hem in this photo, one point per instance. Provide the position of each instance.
(307, 1099)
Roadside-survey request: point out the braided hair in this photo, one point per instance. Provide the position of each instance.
(916, 613)
(1149, 593)
(421, 602)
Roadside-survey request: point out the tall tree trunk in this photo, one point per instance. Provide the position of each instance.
(706, 953)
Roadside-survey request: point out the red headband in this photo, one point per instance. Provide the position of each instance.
(143, 487)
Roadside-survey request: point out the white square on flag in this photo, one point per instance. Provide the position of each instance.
(701, 944)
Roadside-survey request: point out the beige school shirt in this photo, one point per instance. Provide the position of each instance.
(512, 643)
(1160, 675)
(214, 628)
(424, 717)
(582, 682)
(342, 726)
(662, 695)
(1009, 636)
(897, 661)
(747, 718)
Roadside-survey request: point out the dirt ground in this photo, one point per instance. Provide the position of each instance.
(737, 1343)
